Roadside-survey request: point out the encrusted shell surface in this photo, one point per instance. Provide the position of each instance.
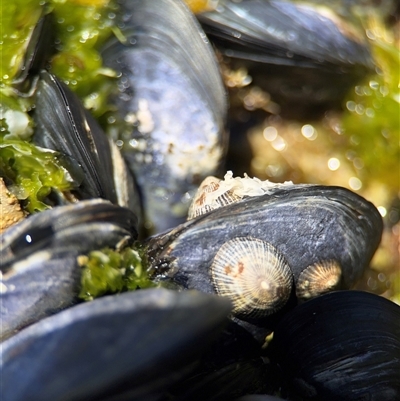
(214, 193)
(253, 275)
(205, 199)
(318, 278)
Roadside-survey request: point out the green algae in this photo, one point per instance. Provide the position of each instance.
(109, 271)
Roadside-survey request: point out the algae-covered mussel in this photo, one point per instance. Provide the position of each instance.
(172, 97)
(39, 255)
(321, 238)
(64, 125)
(40, 273)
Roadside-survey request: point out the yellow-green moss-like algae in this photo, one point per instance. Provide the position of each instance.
(108, 271)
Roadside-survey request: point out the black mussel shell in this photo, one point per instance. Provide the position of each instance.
(306, 223)
(301, 54)
(132, 346)
(64, 125)
(259, 397)
(341, 346)
(39, 270)
(231, 366)
(37, 54)
(171, 91)
(227, 382)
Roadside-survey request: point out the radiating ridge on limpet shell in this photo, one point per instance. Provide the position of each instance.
(206, 199)
(318, 278)
(253, 274)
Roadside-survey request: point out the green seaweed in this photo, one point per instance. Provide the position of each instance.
(109, 271)
(81, 27)
(34, 173)
(372, 115)
(18, 19)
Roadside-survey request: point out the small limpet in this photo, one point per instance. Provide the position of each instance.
(318, 278)
(254, 275)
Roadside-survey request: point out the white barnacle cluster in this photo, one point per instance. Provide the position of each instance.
(214, 193)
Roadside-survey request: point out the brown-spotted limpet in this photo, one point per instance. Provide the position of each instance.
(253, 274)
(318, 278)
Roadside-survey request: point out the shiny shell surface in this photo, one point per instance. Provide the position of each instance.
(131, 346)
(306, 223)
(171, 92)
(344, 345)
(64, 125)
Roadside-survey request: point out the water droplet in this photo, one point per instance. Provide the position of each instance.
(351, 106)
(359, 90)
(270, 133)
(384, 90)
(309, 132)
(279, 144)
(333, 163)
(355, 140)
(358, 163)
(382, 210)
(370, 34)
(355, 183)
(360, 109)
(382, 277)
(372, 284)
(374, 85)
(370, 112)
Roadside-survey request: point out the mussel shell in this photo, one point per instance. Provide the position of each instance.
(39, 270)
(37, 54)
(306, 223)
(341, 346)
(64, 125)
(226, 383)
(284, 33)
(127, 347)
(304, 55)
(258, 397)
(170, 84)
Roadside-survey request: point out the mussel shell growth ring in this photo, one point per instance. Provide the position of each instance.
(253, 275)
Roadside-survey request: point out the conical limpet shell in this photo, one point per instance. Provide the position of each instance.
(207, 198)
(253, 274)
(318, 278)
